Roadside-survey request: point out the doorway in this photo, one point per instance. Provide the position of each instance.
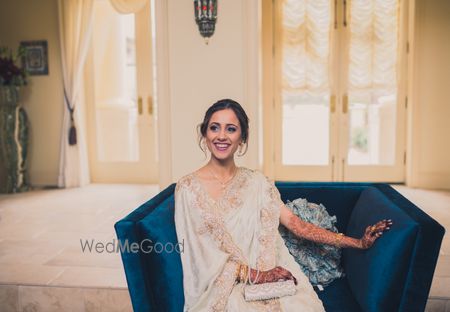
(121, 112)
(335, 105)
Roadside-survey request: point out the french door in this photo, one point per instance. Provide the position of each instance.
(336, 105)
(121, 120)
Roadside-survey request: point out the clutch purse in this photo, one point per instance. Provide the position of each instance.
(269, 290)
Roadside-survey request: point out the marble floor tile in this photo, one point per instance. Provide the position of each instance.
(90, 257)
(28, 251)
(28, 274)
(9, 298)
(107, 300)
(445, 246)
(91, 277)
(20, 231)
(435, 305)
(440, 287)
(443, 266)
(72, 238)
(50, 299)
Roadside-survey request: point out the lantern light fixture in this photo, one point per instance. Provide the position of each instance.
(205, 17)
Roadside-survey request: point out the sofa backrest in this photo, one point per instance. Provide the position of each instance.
(396, 273)
(338, 198)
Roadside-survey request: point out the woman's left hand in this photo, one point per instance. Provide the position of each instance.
(373, 232)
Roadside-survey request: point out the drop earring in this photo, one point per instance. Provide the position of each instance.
(240, 153)
(204, 147)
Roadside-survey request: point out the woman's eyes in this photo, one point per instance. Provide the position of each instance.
(215, 128)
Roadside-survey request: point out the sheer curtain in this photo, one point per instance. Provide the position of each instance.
(373, 46)
(75, 24)
(307, 53)
(306, 48)
(305, 62)
(373, 81)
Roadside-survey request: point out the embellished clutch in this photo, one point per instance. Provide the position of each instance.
(269, 290)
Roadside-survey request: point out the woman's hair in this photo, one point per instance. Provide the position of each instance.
(221, 105)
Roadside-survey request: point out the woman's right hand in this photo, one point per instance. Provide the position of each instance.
(274, 275)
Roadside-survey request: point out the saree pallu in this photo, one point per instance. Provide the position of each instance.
(239, 227)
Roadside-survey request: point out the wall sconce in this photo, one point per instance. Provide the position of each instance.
(206, 16)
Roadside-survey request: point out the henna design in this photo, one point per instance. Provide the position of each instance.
(273, 275)
(373, 232)
(316, 234)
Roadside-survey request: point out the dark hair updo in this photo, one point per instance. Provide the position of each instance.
(221, 105)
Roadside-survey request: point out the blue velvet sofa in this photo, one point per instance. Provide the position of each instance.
(394, 275)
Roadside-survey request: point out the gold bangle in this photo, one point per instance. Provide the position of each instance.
(242, 273)
(339, 237)
(236, 274)
(247, 274)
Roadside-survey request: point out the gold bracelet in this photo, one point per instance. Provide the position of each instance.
(242, 273)
(236, 274)
(339, 237)
(247, 273)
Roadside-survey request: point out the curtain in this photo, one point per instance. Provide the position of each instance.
(373, 46)
(128, 6)
(306, 47)
(75, 25)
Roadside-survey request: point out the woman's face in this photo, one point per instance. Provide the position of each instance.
(223, 134)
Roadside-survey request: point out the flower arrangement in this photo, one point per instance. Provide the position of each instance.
(10, 73)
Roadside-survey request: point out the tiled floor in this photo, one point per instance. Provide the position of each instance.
(40, 234)
(437, 205)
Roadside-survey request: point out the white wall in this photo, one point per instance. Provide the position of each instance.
(23, 20)
(193, 75)
(429, 113)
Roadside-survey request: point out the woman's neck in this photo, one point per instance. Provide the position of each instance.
(222, 168)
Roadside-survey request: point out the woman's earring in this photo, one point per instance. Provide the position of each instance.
(240, 153)
(204, 147)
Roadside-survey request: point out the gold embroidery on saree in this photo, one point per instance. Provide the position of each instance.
(212, 213)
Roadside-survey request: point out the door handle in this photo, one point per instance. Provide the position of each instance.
(140, 107)
(333, 104)
(345, 104)
(150, 105)
(335, 15)
(345, 14)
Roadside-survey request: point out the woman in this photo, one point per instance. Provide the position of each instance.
(228, 217)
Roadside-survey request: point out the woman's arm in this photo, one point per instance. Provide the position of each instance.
(316, 234)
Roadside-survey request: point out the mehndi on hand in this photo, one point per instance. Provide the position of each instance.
(373, 232)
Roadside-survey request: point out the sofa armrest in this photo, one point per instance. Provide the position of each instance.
(396, 273)
(138, 272)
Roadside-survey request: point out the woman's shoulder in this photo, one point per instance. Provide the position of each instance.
(254, 174)
(185, 181)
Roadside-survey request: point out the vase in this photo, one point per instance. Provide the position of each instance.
(13, 141)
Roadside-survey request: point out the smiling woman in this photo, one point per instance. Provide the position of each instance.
(228, 217)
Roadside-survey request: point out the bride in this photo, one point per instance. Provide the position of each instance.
(228, 217)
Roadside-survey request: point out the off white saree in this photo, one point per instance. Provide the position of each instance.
(240, 227)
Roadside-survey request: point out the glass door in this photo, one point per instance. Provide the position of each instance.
(305, 103)
(338, 113)
(373, 98)
(121, 115)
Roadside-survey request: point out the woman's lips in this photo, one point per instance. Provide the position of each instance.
(222, 146)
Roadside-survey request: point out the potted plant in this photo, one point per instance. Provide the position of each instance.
(13, 123)
(12, 76)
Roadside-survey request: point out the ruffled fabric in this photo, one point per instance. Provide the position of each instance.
(319, 262)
